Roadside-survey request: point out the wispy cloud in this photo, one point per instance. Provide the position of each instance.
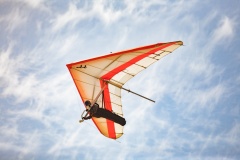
(224, 30)
(34, 4)
(73, 15)
(39, 102)
(13, 20)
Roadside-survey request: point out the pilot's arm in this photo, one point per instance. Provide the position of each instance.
(88, 117)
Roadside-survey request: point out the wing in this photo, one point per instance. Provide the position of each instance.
(90, 76)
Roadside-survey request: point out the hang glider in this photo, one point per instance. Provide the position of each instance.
(101, 79)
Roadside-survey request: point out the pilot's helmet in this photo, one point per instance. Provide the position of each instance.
(87, 103)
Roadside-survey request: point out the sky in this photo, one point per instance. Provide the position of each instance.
(196, 88)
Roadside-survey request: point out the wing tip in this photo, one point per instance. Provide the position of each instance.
(69, 66)
(178, 42)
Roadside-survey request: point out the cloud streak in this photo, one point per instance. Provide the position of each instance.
(224, 30)
(196, 114)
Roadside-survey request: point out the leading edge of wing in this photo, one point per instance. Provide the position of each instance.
(124, 51)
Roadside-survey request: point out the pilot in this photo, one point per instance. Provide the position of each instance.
(95, 111)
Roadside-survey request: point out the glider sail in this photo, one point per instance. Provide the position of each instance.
(110, 73)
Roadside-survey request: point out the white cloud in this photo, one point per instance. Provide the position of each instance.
(106, 12)
(73, 15)
(10, 72)
(13, 20)
(184, 84)
(100, 9)
(34, 4)
(225, 30)
(110, 12)
(208, 98)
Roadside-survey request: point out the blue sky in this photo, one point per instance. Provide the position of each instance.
(196, 88)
